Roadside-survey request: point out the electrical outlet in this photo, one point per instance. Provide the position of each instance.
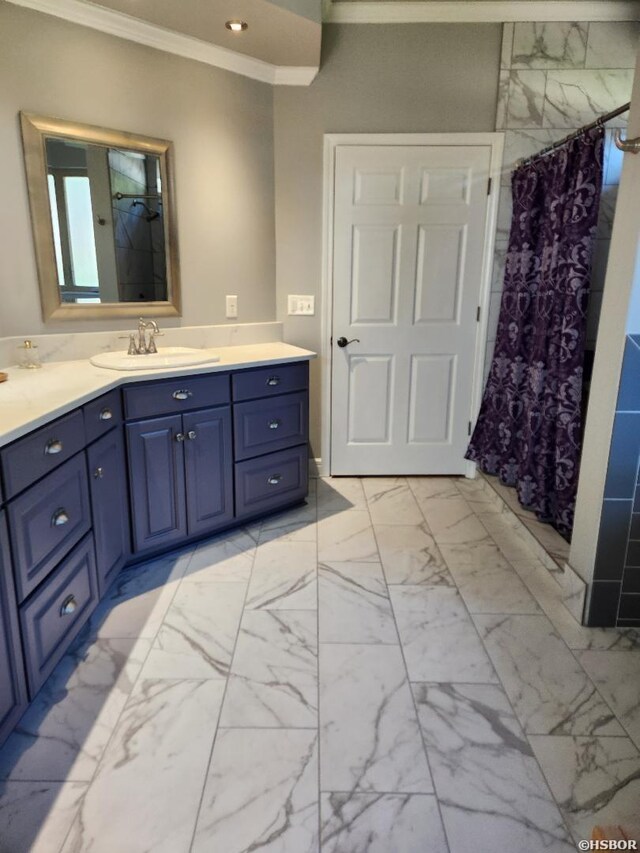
(301, 305)
(232, 307)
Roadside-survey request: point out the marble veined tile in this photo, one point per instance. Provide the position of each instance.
(491, 790)
(487, 582)
(439, 640)
(550, 692)
(526, 98)
(617, 677)
(595, 780)
(227, 558)
(453, 521)
(137, 601)
(426, 489)
(354, 604)
(35, 816)
(67, 726)
(369, 735)
(198, 634)
(574, 98)
(612, 44)
(293, 525)
(391, 501)
(346, 537)
(337, 494)
(548, 593)
(549, 45)
(146, 791)
(284, 577)
(379, 823)
(274, 675)
(410, 555)
(261, 793)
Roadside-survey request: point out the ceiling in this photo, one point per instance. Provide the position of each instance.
(282, 43)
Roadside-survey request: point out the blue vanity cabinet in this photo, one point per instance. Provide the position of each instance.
(13, 693)
(110, 505)
(208, 462)
(156, 482)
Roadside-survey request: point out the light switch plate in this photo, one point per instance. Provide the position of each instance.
(232, 307)
(301, 306)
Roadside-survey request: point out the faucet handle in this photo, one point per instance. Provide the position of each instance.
(133, 349)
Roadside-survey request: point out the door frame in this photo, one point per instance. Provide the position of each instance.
(331, 143)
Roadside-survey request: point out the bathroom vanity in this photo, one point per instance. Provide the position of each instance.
(132, 471)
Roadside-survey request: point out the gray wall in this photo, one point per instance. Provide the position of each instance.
(399, 78)
(222, 127)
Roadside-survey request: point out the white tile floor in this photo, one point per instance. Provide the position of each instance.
(389, 669)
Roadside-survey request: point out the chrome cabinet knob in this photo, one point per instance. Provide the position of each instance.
(191, 435)
(273, 380)
(98, 473)
(182, 394)
(59, 518)
(274, 424)
(274, 479)
(106, 414)
(180, 436)
(68, 606)
(52, 447)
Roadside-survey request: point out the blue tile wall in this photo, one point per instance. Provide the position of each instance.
(615, 593)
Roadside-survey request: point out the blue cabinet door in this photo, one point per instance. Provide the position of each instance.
(13, 694)
(110, 505)
(208, 459)
(156, 482)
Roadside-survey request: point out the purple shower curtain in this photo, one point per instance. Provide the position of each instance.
(529, 427)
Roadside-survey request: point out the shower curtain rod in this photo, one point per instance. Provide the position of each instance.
(599, 121)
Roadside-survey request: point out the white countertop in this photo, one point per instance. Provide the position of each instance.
(32, 398)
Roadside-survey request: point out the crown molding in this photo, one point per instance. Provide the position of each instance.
(478, 11)
(133, 29)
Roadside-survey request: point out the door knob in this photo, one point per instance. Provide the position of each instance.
(343, 342)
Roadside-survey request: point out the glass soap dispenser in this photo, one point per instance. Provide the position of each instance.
(28, 356)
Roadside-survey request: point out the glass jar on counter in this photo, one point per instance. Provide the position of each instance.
(28, 356)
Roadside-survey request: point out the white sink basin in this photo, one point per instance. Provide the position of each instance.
(165, 357)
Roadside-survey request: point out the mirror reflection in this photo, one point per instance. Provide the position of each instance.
(108, 225)
(104, 220)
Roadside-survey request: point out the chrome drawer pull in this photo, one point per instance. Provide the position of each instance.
(105, 415)
(52, 447)
(98, 473)
(180, 436)
(68, 606)
(274, 424)
(191, 435)
(59, 518)
(273, 380)
(274, 479)
(182, 394)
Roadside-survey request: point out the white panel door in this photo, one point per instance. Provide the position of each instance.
(409, 234)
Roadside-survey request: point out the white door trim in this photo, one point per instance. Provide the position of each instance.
(331, 143)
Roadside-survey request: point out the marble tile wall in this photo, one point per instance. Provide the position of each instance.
(554, 78)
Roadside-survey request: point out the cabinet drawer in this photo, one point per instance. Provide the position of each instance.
(57, 612)
(46, 522)
(175, 395)
(270, 381)
(263, 426)
(272, 481)
(102, 414)
(30, 458)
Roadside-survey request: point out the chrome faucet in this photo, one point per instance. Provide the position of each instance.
(147, 347)
(138, 342)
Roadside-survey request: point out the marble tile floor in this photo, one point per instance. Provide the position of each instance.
(387, 669)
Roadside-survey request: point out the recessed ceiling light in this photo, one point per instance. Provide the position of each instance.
(236, 26)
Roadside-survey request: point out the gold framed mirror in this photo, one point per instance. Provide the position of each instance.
(104, 223)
